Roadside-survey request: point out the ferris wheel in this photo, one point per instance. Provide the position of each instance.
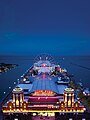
(44, 57)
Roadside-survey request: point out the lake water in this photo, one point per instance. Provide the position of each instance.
(77, 65)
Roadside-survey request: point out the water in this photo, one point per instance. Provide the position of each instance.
(7, 79)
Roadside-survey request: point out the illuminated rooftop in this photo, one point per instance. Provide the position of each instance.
(25, 86)
(44, 85)
(69, 90)
(17, 89)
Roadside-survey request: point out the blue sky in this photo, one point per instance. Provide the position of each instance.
(45, 26)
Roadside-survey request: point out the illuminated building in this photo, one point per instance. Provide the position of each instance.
(41, 93)
(69, 97)
(18, 97)
(43, 101)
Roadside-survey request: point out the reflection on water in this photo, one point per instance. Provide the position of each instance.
(76, 65)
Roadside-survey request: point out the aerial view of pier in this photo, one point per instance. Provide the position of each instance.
(45, 60)
(46, 91)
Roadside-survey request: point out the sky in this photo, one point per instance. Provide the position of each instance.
(59, 27)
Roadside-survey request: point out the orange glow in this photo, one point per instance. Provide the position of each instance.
(52, 110)
(43, 93)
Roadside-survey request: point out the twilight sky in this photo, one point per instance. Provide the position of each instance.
(60, 27)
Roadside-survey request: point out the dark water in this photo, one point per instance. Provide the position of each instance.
(77, 65)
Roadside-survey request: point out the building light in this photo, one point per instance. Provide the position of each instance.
(70, 119)
(17, 110)
(17, 102)
(45, 114)
(69, 103)
(84, 109)
(24, 79)
(10, 106)
(15, 118)
(61, 105)
(57, 102)
(38, 98)
(24, 106)
(34, 114)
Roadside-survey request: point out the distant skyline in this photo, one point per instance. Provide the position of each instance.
(45, 26)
